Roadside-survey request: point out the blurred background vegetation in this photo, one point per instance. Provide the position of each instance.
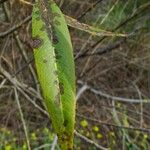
(113, 77)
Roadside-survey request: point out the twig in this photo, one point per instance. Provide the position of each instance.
(123, 23)
(81, 91)
(141, 104)
(146, 130)
(135, 14)
(123, 110)
(89, 141)
(54, 143)
(88, 9)
(32, 102)
(15, 27)
(42, 146)
(2, 83)
(104, 50)
(110, 10)
(23, 67)
(122, 133)
(120, 99)
(22, 119)
(114, 98)
(15, 82)
(23, 51)
(22, 87)
(26, 2)
(94, 49)
(72, 23)
(21, 48)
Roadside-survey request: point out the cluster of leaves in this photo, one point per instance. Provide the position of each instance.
(112, 73)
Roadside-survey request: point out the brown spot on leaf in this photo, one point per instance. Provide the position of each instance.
(57, 23)
(61, 87)
(55, 39)
(44, 60)
(65, 122)
(36, 42)
(37, 18)
(57, 99)
(55, 72)
(57, 55)
(55, 15)
(42, 28)
(37, 12)
(55, 82)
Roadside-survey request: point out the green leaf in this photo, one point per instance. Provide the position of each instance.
(54, 62)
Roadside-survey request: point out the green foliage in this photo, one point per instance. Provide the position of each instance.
(8, 141)
(118, 12)
(55, 67)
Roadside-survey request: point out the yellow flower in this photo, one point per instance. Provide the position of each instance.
(114, 142)
(24, 147)
(84, 123)
(33, 136)
(99, 136)
(87, 134)
(8, 132)
(46, 130)
(118, 104)
(145, 136)
(51, 136)
(14, 139)
(112, 133)
(96, 129)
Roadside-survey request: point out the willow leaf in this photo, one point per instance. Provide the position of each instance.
(55, 67)
(90, 29)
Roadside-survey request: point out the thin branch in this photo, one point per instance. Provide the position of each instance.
(146, 130)
(135, 14)
(26, 2)
(54, 143)
(123, 110)
(21, 48)
(104, 50)
(115, 98)
(123, 23)
(72, 23)
(23, 67)
(89, 9)
(15, 27)
(22, 119)
(81, 91)
(90, 141)
(22, 87)
(47, 145)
